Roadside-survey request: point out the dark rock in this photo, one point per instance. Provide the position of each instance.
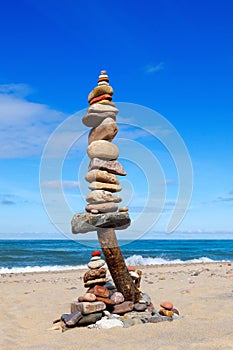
(140, 307)
(86, 222)
(89, 319)
(71, 319)
(112, 166)
(158, 318)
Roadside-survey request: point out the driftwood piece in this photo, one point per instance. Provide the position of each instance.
(116, 264)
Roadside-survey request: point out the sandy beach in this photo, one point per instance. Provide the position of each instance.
(203, 294)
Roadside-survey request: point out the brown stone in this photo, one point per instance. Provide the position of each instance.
(101, 291)
(102, 208)
(123, 209)
(101, 176)
(165, 312)
(92, 283)
(101, 196)
(95, 185)
(124, 307)
(87, 308)
(103, 149)
(107, 301)
(94, 119)
(94, 274)
(112, 166)
(107, 130)
(167, 305)
(101, 97)
(100, 90)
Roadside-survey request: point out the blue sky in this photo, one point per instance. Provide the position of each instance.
(175, 57)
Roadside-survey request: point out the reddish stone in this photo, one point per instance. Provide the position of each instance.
(107, 301)
(81, 298)
(131, 268)
(101, 97)
(101, 291)
(167, 305)
(96, 253)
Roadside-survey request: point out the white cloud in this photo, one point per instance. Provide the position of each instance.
(25, 126)
(153, 68)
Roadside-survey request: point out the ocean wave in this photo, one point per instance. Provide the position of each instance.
(139, 260)
(135, 260)
(6, 270)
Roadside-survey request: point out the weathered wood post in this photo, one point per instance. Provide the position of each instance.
(102, 213)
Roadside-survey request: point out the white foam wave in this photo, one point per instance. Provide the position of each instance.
(139, 260)
(26, 269)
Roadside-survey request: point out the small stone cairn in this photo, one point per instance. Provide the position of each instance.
(103, 305)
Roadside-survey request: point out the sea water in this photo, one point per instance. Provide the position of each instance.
(54, 255)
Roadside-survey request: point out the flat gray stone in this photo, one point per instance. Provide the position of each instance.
(89, 319)
(86, 222)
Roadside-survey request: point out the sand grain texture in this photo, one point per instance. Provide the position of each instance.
(203, 293)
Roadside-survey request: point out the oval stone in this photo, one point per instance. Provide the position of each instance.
(101, 176)
(118, 297)
(96, 185)
(107, 130)
(89, 297)
(96, 253)
(167, 305)
(96, 264)
(101, 196)
(103, 149)
(100, 90)
(94, 119)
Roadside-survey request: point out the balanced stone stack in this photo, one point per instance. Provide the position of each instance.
(102, 210)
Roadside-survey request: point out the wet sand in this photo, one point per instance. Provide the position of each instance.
(203, 293)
